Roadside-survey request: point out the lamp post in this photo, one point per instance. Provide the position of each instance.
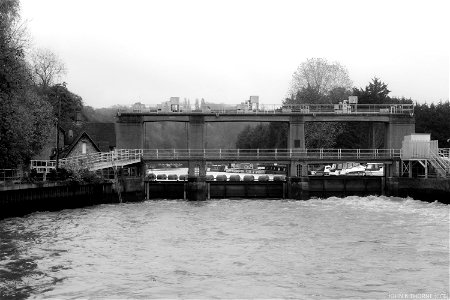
(57, 122)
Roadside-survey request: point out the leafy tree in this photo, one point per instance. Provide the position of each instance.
(263, 136)
(320, 75)
(25, 118)
(434, 119)
(374, 93)
(104, 115)
(46, 67)
(306, 95)
(70, 103)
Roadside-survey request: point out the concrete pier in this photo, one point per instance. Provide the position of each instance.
(196, 189)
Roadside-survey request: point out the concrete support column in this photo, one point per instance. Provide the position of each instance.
(372, 135)
(296, 133)
(197, 168)
(298, 169)
(298, 188)
(196, 188)
(392, 170)
(196, 138)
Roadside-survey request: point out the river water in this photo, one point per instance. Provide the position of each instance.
(335, 248)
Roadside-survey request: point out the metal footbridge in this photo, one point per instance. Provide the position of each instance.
(123, 157)
(438, 158)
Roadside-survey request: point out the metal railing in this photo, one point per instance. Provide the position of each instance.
(10, 174)
(43, 166)
(89, 160)
(402, 109)
(109, 159)
(270, 154)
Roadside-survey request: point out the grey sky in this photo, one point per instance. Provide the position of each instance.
(121, 52)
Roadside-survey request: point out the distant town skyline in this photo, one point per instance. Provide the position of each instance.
(225, 51)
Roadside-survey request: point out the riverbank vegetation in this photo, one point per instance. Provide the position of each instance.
(31, 97)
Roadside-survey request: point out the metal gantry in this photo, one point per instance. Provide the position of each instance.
(390, 109)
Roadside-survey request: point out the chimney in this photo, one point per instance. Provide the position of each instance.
(78, 118)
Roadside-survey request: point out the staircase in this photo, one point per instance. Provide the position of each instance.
(440, 164)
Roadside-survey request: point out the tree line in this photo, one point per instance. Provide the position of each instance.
(318, 81)
(30, 98)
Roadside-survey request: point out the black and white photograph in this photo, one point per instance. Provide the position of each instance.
(224, 149)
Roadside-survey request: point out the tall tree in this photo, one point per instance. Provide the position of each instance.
(25, 119)
(376, 92)
(47, 68)
(320, 75)
(58, 95)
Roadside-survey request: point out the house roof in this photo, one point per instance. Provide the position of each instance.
(66, 151)
(102, 134)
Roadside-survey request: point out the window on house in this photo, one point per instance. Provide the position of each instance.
(83, 148)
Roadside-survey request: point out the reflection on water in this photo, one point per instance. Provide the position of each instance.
(354, 247)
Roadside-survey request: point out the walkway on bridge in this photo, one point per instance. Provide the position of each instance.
(439, 159)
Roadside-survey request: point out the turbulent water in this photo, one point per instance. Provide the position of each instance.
(355, 247)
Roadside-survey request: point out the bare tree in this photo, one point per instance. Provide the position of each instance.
(47, 68)
(320, 75)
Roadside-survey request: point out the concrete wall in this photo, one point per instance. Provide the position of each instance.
(425, 189)
(19, 200)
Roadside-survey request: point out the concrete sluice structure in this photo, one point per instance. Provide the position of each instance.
(300, 188)
(131, 133)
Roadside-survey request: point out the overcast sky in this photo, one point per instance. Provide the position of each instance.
(122, 52)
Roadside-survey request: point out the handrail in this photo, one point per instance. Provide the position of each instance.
(126, 156)
(258, 154)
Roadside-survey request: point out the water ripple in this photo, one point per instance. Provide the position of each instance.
(330, 248)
